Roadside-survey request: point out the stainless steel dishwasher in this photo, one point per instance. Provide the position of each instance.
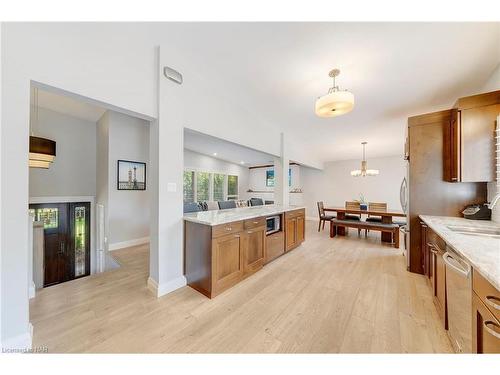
(459, 301)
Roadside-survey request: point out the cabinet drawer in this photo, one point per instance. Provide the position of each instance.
(228, 228)
(488, 294)
(485, 328)
(255, 223)
(295, 213)
(275, 246)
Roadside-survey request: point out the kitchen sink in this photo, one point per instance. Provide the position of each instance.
(487, 232)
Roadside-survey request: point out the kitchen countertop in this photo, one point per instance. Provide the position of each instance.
(482, 252)
(216, 217)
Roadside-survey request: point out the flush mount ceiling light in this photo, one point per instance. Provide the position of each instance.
(42, 151)
(364, 171)
(337, 102)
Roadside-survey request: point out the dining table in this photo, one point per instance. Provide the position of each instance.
(386, 216)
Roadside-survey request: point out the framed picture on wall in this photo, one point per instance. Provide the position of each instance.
(131, 175)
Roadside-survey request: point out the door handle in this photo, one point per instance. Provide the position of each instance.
(464, 272)
(62, 247)
(491, 331)
(495, 305)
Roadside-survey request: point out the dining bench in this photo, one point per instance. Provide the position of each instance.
(375, 226)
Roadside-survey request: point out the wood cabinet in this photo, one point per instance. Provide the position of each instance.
(485, 328)
(437, 273)
(275, 246)
(254, 242)
(469, 144)
(220, 256)
(426, 254)
(485, 316)
(227, 258)
(294, 229)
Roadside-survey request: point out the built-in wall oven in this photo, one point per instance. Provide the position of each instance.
(273, 224)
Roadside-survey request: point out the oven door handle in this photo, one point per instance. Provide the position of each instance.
(464, 272)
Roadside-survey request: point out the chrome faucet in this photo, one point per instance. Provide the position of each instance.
(494, 201)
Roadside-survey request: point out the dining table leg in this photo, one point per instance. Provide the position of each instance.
(340, 230)
(387, 236)
(333, 230)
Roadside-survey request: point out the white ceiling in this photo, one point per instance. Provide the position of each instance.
(224, 150)
(394, 70)
(69, 106)
(277, 70)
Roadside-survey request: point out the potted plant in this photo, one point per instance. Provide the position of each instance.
(362, 202)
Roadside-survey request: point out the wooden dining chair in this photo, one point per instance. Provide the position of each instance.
(353, 206)
(323, 218)
(374, 206)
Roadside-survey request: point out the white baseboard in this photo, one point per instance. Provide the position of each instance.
(129, 243)
(162, 289)
(31, 290)
(19, 343)
(312, 218)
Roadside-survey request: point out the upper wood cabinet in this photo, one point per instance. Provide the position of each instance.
(469, 143)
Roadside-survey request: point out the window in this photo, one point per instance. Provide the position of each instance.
(188, 186)
(202, 186)
(232, 187)
(219, 180)
(270, 177)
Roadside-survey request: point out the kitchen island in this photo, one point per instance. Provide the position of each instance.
(223, 247)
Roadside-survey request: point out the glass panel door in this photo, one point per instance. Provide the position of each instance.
(80, 237)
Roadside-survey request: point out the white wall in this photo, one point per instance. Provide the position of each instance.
(127, 213)
(334, 185)
(119, 65)
(128, 210)
(73, 172)
(199, 162)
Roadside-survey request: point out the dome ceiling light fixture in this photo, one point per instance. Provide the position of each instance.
(42, 151)
(336, 102)
(364, 171)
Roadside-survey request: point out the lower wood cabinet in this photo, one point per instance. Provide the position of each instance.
(485, 328)
(275, 246)
(294, 229)
(228, 261)
(254, 243)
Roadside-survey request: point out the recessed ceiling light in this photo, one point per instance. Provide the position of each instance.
(214, 154)
(242, 162)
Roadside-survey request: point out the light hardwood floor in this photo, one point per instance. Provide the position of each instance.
(327, 296)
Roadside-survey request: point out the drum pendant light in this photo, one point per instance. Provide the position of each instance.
(336, 102)
(42, 151)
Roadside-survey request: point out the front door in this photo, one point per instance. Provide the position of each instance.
(66, 240)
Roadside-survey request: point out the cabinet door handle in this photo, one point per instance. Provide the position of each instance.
(237, 236)
(256, 222)
(495, 305)
(490, 330)
(229, 228)
(250, 232)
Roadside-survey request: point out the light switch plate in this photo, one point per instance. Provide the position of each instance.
(171, 187)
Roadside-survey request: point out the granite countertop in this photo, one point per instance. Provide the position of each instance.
(216, 217)
(482, 252)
